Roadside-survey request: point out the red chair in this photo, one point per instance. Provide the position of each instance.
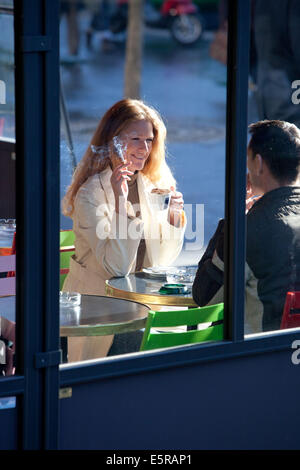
(13, 252)
(291, 311)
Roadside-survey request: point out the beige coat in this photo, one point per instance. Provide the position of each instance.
(106, 243)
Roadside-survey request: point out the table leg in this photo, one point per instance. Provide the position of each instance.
(192, 327)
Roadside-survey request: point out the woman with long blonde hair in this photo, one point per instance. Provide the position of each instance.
(117, 224)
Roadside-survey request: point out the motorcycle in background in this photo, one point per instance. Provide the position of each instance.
(180, 17)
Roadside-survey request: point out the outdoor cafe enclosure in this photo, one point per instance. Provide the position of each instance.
(237, 393)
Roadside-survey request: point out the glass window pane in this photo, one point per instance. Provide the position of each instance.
(181, 73)
(7, 190)
(273, 220)
(7, 82)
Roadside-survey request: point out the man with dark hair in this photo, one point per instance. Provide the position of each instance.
(277, 143)
(273, 229)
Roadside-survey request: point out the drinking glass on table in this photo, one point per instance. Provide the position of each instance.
(69, 299)
(7, 230)
(184, 275)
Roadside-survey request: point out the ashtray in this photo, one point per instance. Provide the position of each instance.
(174, 289)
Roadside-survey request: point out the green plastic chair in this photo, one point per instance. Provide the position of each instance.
(66, 250)
(190, 317)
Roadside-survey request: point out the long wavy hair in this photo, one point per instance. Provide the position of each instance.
(97, 156)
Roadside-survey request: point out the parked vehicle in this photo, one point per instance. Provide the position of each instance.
(180, 17)
(210, 13)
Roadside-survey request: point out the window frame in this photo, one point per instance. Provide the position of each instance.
(234, 343)
(38, 283)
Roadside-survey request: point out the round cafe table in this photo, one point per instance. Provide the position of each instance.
(140, 288)
(100, 315)
(95, 316)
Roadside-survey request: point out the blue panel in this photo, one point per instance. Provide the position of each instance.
(8, 429)
(229, 404)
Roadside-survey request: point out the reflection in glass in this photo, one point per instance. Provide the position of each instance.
(7, 80)
(185, 84)
(7, 195)
(273, 198)
(7, 402)
(276, 42)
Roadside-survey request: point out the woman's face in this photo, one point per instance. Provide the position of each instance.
(136, 140)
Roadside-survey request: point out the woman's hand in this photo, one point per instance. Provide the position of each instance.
(119, 178)
(176, 208)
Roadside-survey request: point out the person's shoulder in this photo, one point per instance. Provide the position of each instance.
(92, 189)
(89, 186)
(274, 205)
(257, 212)
(258, 222)
(268, 214)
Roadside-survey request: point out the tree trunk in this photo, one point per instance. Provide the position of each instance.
(134, 47)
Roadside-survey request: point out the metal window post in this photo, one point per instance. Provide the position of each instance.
(236, 144)
(37, 149)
